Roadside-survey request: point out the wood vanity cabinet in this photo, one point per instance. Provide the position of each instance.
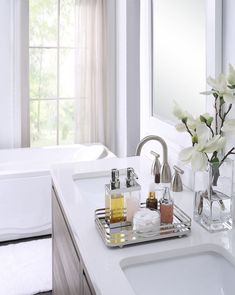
(69, 273)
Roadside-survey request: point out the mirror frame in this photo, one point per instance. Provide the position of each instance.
(150, 124)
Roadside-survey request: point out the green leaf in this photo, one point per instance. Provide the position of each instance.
(203, 119)
(209, 121)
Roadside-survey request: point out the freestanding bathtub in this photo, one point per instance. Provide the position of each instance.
(25, 186)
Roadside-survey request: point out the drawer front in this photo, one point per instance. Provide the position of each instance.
(66, 262)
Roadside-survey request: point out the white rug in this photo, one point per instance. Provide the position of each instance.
(26, 268)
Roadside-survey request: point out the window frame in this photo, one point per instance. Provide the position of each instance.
(22, 100)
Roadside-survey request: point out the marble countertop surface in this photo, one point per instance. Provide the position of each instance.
(81, 197)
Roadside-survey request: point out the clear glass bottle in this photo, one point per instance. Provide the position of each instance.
(132, 194)
(114, 200)
(166, 207)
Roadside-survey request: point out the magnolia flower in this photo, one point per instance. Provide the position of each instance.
(179, 113)
(215, 144)
(185, 118)
(231, 75)
(197, 154)
(219, 87)
(191, 123)
(197, 158)
(229, 126)
(203, 132)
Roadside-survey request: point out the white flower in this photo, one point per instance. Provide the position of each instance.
(219, 87)
(231, 75)
(199, 161)
(219, 84)
(229, 126)
(215, 144)
(184, 115)
(179, 113)
(203, 132)
(197, 158)
(180, 127)
(191, 123)
(197, 154)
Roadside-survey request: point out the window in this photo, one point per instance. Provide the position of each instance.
(52, 72)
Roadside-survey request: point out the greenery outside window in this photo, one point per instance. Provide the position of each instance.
(52, 72)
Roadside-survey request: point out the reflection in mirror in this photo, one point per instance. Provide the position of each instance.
(179, 56)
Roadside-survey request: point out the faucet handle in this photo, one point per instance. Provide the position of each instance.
(177, 185)
(178, 169)
(156, 167)
(155, 154)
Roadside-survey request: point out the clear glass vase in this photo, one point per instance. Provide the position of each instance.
(213, 196)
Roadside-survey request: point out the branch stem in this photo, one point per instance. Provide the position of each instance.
(223, 117)
(186, 126)
(230, 152)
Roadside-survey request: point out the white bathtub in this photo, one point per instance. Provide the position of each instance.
(25, 186)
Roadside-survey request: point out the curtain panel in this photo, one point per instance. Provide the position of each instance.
(92, 103)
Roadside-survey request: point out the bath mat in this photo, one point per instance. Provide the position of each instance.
(26, 268)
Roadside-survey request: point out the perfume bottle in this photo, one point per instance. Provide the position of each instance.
(132, 194)
(166, 207)
(114, 200)
(151, 201)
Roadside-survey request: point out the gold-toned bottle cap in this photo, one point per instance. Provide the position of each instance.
(152, 195)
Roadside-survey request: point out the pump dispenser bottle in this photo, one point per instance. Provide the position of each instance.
(114, 200)
(166, 207)
(132, 194)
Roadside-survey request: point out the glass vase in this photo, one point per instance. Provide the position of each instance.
(213, 196)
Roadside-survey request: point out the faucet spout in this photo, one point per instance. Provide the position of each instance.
(166, 171)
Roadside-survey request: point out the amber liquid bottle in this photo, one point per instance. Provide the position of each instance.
(151, 201)
(114, 202)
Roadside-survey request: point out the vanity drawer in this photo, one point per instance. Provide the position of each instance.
(66, 262)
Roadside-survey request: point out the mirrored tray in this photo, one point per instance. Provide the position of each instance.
(122, 234)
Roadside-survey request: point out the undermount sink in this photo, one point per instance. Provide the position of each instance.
(207, 272)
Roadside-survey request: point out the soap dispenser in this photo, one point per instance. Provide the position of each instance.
(166, 207)
(114, 200)
(132, 194)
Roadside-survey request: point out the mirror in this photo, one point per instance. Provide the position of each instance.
(179, 56)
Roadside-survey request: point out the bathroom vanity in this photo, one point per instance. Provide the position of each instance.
(82, 264)
(69, 272)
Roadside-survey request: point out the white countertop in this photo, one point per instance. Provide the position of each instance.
(102, 263)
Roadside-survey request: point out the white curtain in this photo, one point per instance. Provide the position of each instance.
(92, 103)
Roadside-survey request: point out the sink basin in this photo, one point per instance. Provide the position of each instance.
(204, 273)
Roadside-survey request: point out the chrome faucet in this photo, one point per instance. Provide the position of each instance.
(166, 171)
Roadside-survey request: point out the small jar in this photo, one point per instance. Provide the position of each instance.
(147, 221)
(166, 207)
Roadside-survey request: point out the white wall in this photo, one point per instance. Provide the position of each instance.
(6, 103)
(127, 76)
